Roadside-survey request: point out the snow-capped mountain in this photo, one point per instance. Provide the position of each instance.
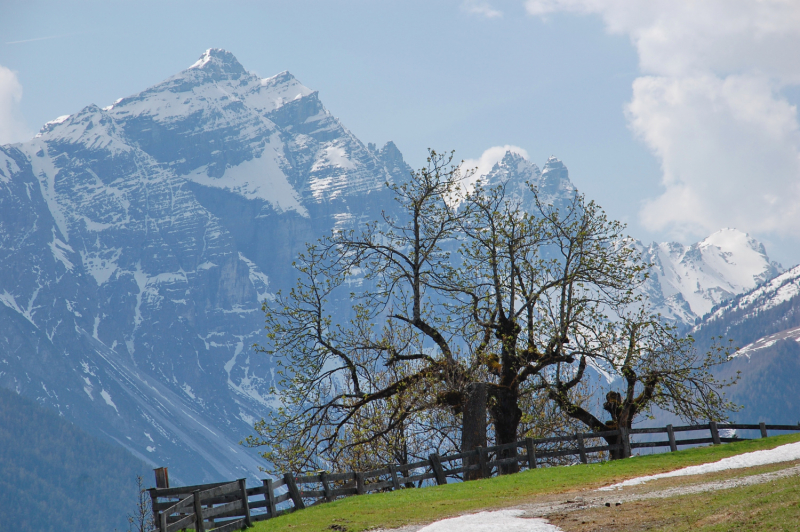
(685, 281)
(138, 242)
(688, 281)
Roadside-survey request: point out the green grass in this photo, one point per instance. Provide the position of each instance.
(423, 505)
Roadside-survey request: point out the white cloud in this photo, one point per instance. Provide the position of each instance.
(709, 107)
(482, 9)
(489, 158)
(12, 127)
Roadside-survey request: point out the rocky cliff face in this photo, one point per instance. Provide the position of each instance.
(138, 242)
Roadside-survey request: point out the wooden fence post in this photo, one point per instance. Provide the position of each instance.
(395, 478)
(626, 442)
(199, 525)
(763, 427)
(245, 501)
(714, 433)
(673, 446)
(529, 445)
(360, 488)
(162, 521)
(326, 487)
(436, 464)
(269, 497)
(581, 448)
(294, 493)
(483, 462)
(162, 477)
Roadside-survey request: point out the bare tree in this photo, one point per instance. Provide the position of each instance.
(358, 390)
(498, 293)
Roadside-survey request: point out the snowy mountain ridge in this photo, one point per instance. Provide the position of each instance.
(688, 281)
(685, 282)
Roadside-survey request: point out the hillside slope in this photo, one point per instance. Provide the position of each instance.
(55, 477)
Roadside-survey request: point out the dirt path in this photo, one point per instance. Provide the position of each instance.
(567, 508)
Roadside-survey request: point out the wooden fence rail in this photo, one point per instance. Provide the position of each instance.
(226, 506)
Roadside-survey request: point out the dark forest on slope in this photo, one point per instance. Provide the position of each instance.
(55, 477)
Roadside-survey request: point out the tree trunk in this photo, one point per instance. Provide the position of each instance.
(473, 425)
(506, 415)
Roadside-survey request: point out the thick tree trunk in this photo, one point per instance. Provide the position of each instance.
(506, 415)
(473, 425)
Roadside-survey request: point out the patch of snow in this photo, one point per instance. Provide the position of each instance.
(107, 398)
(259, 178)
(46, 172)
(505, 520)
(150, 449)
(332, 156)
(149, 437)
(783, 453)
(59, 250)
(11, 302)
(188, 390)
(101, 265)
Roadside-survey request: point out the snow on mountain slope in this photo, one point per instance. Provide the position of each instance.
(687, 281)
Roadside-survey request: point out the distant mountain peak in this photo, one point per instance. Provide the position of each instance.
(217, 61)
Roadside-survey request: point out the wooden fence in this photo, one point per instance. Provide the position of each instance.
(225, 507)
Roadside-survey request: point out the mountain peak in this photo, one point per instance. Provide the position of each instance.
(220, 62)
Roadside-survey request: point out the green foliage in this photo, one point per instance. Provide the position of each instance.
(54, 477)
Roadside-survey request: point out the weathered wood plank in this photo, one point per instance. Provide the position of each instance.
(283, 497)
(394, 477)
(671, 434)
(581, 449)
(269, 496)
(294, 493)
(377, 486)
(343, 492)
(245, 501)
(230, 527)
(783, 427)
(360, 489)
(308, 479)
(185, 490)
(376, 472)
(181, 524)
(199, 526)
(763, 428)
(530, 448)
(436, 465)
(339, 477)
(712, 426)
(223, 510)
(483, 462)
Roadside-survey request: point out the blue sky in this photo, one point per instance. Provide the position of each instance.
(678, 117)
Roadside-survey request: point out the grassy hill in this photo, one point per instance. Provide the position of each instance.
(55, 477)
(778, 502)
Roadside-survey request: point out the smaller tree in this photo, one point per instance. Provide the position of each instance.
(142, 519)
(656, 367)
